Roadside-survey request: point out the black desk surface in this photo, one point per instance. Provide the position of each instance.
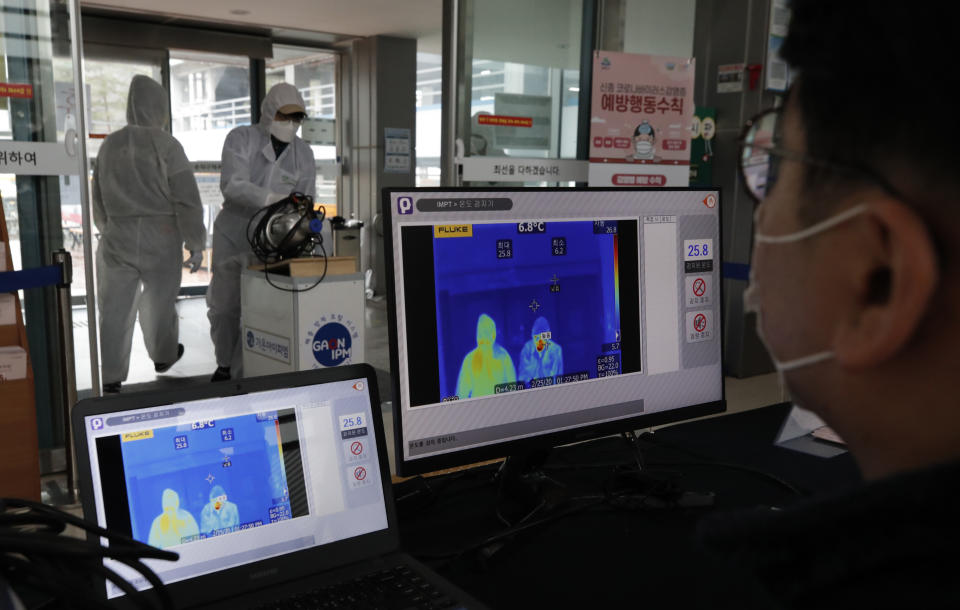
(628, 554)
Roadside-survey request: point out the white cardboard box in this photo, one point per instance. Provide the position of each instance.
(8, 309)
(13, 363)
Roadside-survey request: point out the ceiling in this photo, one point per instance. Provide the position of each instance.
(345, 18)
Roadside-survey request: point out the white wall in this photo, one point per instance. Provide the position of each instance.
(659, 27)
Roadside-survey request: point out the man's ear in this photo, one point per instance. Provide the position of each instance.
(894, 275)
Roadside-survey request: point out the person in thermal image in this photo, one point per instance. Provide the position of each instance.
(219, 513)
(485, 366)
(172, 525)
(541, 356)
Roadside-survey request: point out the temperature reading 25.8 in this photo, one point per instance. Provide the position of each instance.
(697, 249)
(352, 421)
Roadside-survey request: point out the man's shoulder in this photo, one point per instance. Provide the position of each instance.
(244, 131)
(303, 147)
(886, 542)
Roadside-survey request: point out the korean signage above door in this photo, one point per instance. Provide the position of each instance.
(642, 109)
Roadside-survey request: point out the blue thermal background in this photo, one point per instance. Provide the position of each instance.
(471, 280)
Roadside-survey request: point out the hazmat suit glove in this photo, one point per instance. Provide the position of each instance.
(193, 263)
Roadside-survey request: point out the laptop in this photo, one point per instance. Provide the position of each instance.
(271, 489)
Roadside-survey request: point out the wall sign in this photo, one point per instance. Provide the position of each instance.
(730, 78)
(641, 114)
(38, 159)
(16, 90)
(396, 150)
(515, 169)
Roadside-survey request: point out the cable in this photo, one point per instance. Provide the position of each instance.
(297, 241)
(747, 469)
(706, 461)
(631, 438)
(35, 554)
(512, 531)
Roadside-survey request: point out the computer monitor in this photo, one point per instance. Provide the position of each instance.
(530, 317)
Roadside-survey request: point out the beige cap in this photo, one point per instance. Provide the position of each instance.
(291, 109)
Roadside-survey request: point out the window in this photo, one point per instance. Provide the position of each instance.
(211, 96)
(429, 120)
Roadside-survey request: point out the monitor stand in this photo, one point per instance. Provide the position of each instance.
(524, 489)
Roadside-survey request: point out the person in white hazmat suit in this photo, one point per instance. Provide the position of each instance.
(146, 206)
(262, 164)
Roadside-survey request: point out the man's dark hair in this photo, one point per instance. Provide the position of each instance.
(646, 131)
(873, 89)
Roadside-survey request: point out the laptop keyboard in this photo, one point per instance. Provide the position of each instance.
(398, 588)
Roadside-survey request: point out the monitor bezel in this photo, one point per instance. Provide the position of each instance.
(545, 440)
(263, 573)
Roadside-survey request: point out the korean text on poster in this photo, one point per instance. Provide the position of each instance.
(642, 108)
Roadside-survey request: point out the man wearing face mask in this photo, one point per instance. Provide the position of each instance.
(262, 164)
(854, 282)
(644, 143)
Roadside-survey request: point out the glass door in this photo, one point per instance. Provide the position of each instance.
(42, 183)
(209, 96)
(520, 87)
(107, 74)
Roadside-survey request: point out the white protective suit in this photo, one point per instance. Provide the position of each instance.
(252, 176)
(146, 206)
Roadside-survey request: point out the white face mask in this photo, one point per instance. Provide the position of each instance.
(642, 148)
(751, 301)
(284, 130)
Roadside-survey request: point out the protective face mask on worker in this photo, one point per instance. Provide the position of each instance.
(284, 130)
(751, 299)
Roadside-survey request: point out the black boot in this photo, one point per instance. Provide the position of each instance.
(221, 374)
(163, 367)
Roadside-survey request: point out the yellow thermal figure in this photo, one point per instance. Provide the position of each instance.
(174, 524)
(485, 366)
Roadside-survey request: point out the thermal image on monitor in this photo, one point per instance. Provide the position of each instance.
(206, 479)
(525, 305)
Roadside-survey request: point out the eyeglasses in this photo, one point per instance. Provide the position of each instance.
(760, 155)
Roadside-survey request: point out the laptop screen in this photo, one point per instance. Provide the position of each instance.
(233, 480)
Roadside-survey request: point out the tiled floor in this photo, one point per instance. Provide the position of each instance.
(198, 361)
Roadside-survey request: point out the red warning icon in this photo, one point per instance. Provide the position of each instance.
(699, 286)
(360, 473)
(356, 448)
(700, 323)
(710, 201)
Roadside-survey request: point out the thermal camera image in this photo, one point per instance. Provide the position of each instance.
(487, 365)
(525, 305)
(173, 524)
(542, 357)
(205, 479)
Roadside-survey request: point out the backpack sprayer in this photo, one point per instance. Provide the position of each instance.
(289, 228)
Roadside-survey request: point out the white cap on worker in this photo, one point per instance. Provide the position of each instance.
(285, 98)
